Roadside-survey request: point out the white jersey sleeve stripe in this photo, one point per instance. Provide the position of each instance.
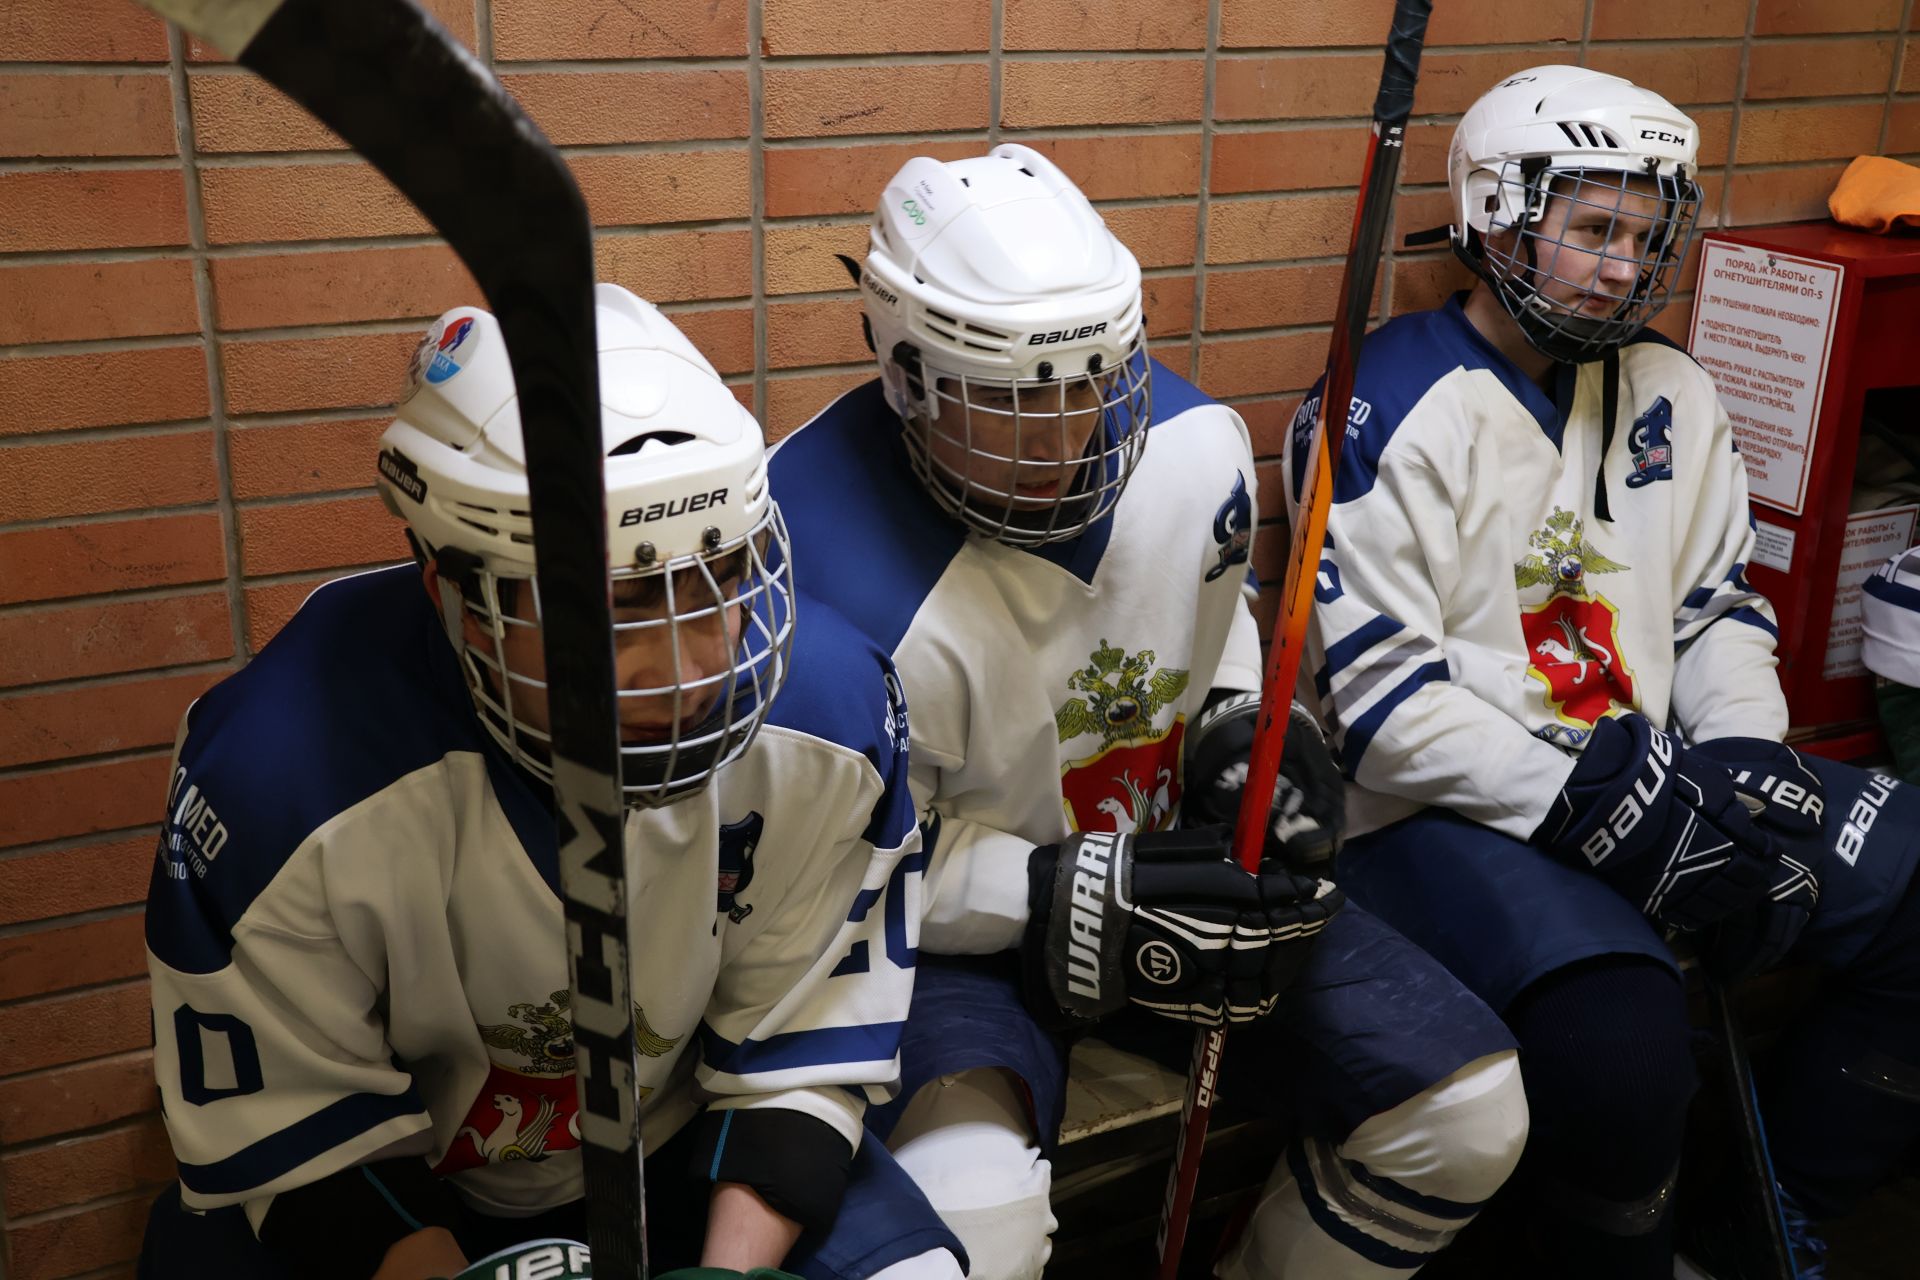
(280, 1153)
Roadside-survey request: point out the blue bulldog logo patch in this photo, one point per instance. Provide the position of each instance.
(1652, 443)
(738, 840)
(1232, 528)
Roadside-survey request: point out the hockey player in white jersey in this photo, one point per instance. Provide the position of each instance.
(355, 933)
(1050, 534)
(1554, 691)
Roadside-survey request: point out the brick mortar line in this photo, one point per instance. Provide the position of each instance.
(878, 139)
(111, 431)
(84, 519)
(68, 1211)
(140, 1186)
(244, 502)
(996, 69)
(483, 34)
(156, 163)
(27, 68)
(72, 920)
(215, 363)
(88, 257)
(757, 200)
(1893, 77)
(77, 684)
(14, 773)
(1610, 44)
(102, 346)
(1203, 200)
(98, 1057)
(63, 844)
(131, 595)
(323, 157)
(1724, 215)
(1586, 33)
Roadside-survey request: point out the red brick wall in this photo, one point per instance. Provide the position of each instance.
(206, 305)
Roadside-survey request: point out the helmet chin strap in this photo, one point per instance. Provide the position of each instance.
(1610, 416)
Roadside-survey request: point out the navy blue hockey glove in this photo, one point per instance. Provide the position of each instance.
(1309, 804)
(1663, 828)
(1166, 921)
(1788, 802)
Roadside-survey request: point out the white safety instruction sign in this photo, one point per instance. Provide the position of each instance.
(1763, 327)
(1873, 538)
(1773, 546)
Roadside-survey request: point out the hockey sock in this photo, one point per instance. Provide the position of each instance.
(1396, 1192)
(1604, 1047)
(966, 1141)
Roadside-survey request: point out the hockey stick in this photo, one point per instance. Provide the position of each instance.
(409, 98)
(1391, 107)
(1758, 1162)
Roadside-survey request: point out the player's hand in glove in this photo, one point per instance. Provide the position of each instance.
(1660, 825)
(1166, 921)
(1787, 801)
(1309, 804)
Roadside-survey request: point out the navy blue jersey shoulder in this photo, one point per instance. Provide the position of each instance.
(1399, 363)
(842, 688)
(1173, 395)
(358, 690)
(864, 534)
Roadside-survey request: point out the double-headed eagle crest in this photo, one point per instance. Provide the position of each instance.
(1565, 559)
(544, 1035)
(1123, 695)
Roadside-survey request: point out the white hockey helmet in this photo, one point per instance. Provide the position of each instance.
(1007, 321)
(691, 526)
(1890, 619)
(1586, 138)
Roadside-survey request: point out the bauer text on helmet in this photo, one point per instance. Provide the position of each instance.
(703, 609)
(1575, 200)
(1006, 318)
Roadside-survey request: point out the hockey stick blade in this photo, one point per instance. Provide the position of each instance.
(435, 122)
(1392, 106)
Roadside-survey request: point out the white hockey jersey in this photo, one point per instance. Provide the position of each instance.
(1474, 619)
(356, 938)
(1051, 688)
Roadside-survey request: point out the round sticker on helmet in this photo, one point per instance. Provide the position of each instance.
(1158, 963)
(455, 347)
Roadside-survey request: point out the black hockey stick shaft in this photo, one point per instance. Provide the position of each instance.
(1391, 108)
(1758, 1161)
(438, 125)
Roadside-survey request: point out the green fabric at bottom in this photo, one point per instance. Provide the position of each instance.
(1900, 721)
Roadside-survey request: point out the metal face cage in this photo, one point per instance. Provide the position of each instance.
(702, 645)
(1593, 254)
(1028, 461)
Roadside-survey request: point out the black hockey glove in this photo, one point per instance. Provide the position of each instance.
(1788, 802)
(1165, 921)
(1309, 804)
(1662, 827)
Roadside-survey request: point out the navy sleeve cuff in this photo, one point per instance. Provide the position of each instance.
(796, 1162)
